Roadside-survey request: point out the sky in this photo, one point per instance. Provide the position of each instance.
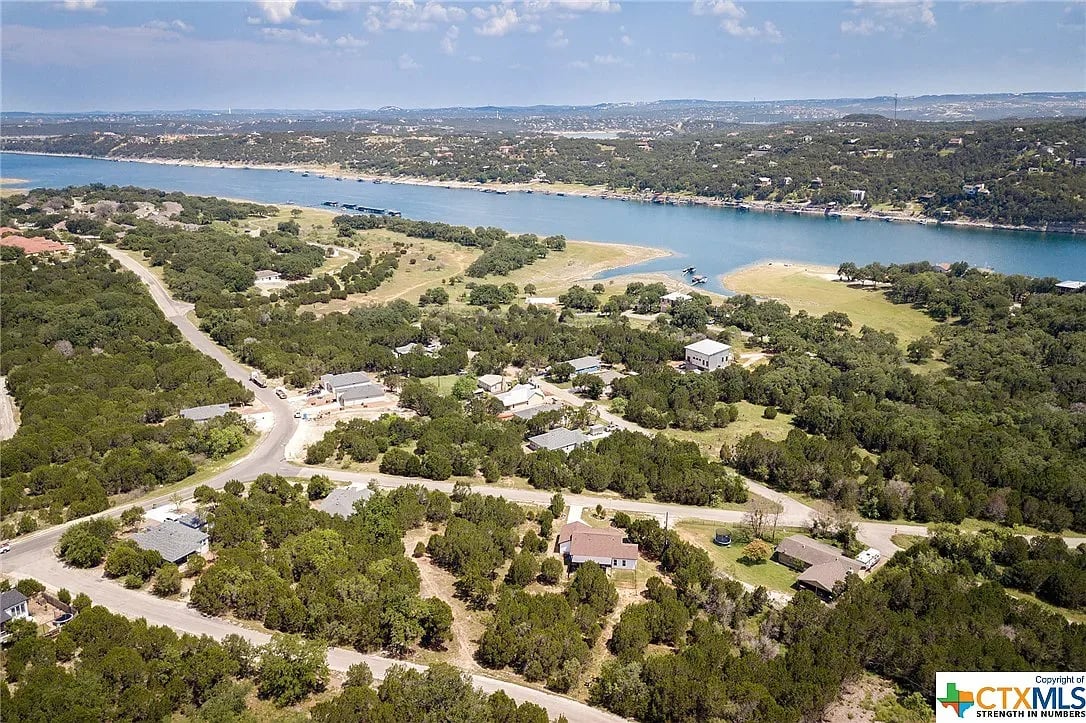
(78, 55)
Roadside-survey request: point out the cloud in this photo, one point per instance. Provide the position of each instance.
(877, 16)
(731, 20)
(277, 11)
(293, 35)
(626, 40)
(409, 16)
(578, 64)
(77, 5)
(350, 41)
(406, 62)
(170, 25)
(586, 6)
(558, 39)
(448, 43)
(682, 57)
(502, 20)
(606, 59)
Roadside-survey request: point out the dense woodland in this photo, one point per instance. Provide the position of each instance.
(104, 666)
(1028, 166)
(99, 375)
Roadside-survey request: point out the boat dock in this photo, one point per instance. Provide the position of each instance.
(363, 209)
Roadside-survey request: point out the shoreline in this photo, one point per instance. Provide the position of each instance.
(573, 189)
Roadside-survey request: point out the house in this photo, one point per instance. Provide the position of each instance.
(668, 300)
(708, 355)
(491, 383)
(341, 502)
(531, 412)
(174, 541)
(821, 565)
(520, 396)
(206, 412)
(35, 245)
(558, 440)
(608, 376)
(858, 195)
(336, 383)
(13, 606)
(406, 349)
(954, 142)
(541, 301)
(1070, 287)
(585, 364)
(580, 543)
(265, 276)
(815, 182)
(972, 189)
(1080, 163)
(361, 395)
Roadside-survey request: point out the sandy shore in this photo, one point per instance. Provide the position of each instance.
(572, 189)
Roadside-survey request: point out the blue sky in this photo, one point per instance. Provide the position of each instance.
(95, 54)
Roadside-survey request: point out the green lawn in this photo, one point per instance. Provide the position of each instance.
(771, 574)
(750, 421)
(803, 286)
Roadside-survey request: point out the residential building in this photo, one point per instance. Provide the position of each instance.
(531, 412)
(821, 565)
(341, 501)
(406, 349)
(336, 383)
(580, 543)
(955, 141)
(361, 395)
(192, 521)
(609, 376)
(541, 301)
(34, 245)
(858, 195)
(206, 412)
(491, 383)
(668, 300)
(520, 396)
(972, 189)
(585, 364)
(707, 355)
(1070, 287)
(174, 541)
(265, 276)
(13, 606)
(560, 440)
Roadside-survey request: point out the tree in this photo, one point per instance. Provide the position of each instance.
(79, 547)
(436, 620)
(358, 675)
(550, 571)
(758, 551)
(920, 349)
(131, 517)
(194, 565)
(590, 586)
(588, 385)
(290, 668)
(318, 487)
(167, 580)
(560, 372)
(523, 569)
(464, 387)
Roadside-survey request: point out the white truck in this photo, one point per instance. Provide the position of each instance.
(258, 378)
(281, 392)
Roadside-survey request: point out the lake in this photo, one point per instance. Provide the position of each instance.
(715, 240)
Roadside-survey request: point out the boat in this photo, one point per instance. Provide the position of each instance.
(699, 279)
(690, 269)
(330, 203)
(305, 175)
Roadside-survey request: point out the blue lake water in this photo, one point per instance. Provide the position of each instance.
(715, 240)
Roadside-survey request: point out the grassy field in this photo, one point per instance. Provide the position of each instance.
(750, 421)
(771, 574)
(804, 286)
(1074, 616)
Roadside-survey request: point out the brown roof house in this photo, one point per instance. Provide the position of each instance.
(580, 543)
(821, 565)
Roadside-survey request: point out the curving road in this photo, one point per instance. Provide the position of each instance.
(33, 555)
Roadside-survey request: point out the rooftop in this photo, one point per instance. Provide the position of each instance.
(531, 412)
(519, 394)
(348, 379)
(708, 347)
(590, 544)
(677, 296)
(584, 362)
(571, 528)
(557, 439)
(361, 391)
(1072, 285)
(35, 245)
(825, 576)
(172, 540)
(341, 501)
(813, 552)
(265, 274)
(206, 412)
(491, 379)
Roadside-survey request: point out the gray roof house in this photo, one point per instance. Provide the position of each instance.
(336, 383)
(206, 412)
(821, 565)
(360, 394)
(585, 364)
(174, 541)
(12, 606)
(341, 501)
(530, 412)
(561, 438)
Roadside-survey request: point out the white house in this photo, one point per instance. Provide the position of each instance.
(560, 439)
(667, 300)
(337, 383)
(708, 355)
(520, 396)
(265, 276)
(491, 383)
(361, 395)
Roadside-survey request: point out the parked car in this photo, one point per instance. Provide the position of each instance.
(5, 547)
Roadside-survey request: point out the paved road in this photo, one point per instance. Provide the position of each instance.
(7, 412)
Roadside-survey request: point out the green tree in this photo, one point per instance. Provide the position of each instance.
(167, 580)
(290, 668)
(758, 551)
(550, 570)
